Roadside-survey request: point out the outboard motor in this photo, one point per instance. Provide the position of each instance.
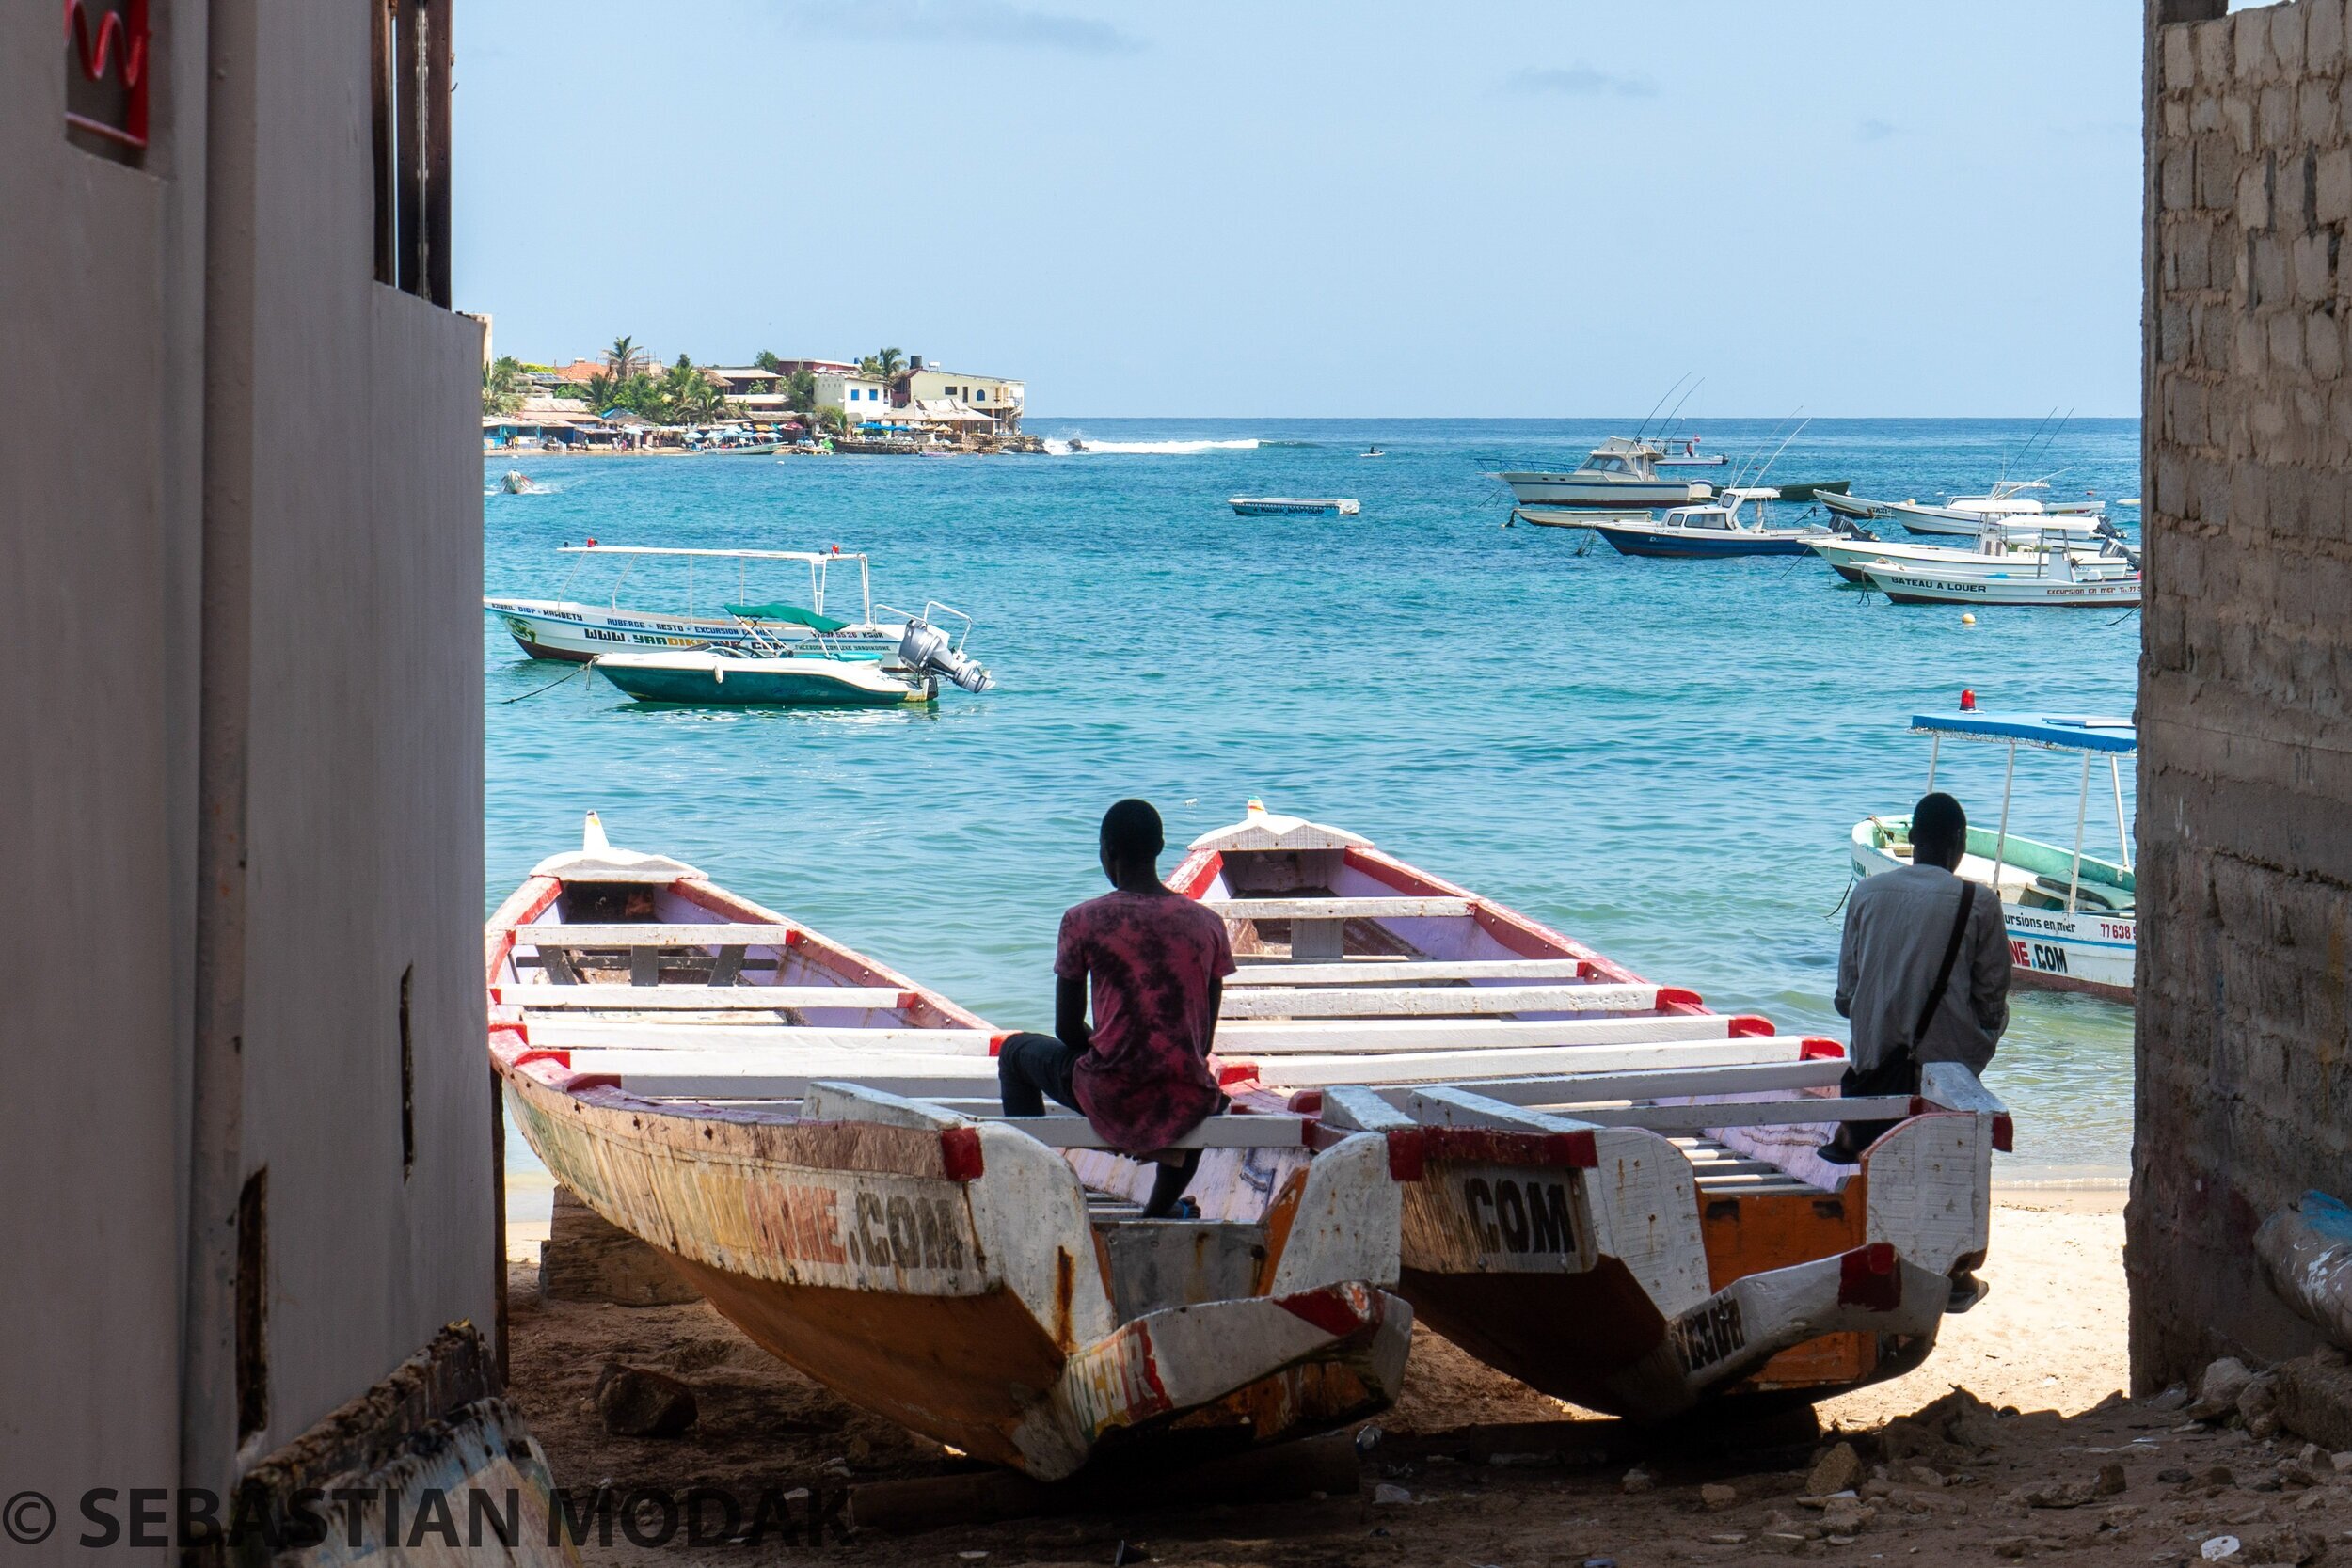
(927, 650)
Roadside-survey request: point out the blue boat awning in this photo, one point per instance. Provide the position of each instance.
(2066, 734)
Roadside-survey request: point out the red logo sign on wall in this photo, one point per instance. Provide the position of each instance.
(105, 71)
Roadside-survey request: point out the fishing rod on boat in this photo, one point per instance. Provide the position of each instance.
(2018, 456)
(1777, 451)
(1654, 407)
(1675, 412)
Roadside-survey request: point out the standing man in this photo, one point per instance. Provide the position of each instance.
(1153, 964)
(1923, 971)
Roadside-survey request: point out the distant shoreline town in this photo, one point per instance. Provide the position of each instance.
(625, 402)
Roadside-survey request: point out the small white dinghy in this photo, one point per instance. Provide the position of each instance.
(1295, 506)
(812, 1140)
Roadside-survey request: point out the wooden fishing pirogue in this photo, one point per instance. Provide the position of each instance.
(811, 1139)
(1617, 1196)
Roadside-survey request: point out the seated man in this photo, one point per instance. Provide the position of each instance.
(1157, 962)
(1923, 971)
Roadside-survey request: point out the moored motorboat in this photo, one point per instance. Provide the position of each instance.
(2057, 578)
(1295, 506)
(811, 1140)
(1964, 515)
(578, 630)
(2073, 917)
(1613, 1193)
(1709, 532)
(761, 672)
(2001, 546)
(1621, 473)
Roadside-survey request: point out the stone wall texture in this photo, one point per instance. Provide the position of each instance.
(2245, 1098)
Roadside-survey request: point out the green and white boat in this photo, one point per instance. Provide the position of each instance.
(2073, 917)
(760, 671)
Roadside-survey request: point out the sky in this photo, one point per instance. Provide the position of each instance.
(1551, 208)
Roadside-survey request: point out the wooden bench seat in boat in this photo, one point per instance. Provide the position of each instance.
(1546, 1093)
(1488, 1062)
(1252, 1037)
(704, 998)
(562, 1031)
(717, 934)
(1384, 971)
(1302, 1002)
(1339, 908)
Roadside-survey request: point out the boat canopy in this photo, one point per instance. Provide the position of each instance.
(792, 612)
(2057, 732)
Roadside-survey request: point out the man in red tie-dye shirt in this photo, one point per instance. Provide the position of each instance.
(1152, 963)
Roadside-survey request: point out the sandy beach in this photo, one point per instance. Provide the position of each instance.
(2046, 1347)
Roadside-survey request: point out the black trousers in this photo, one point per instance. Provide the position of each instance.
(1031, 1067)
(1897, 1074)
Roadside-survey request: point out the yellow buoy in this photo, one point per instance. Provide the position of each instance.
(1967, 619)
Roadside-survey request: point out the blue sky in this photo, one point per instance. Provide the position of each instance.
(1540, 210)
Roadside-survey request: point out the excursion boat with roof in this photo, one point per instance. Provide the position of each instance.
(1712, 530)
(812, 1140)
(1621, 474)
(1611, 1193)
(716, 613)
(2073, 917)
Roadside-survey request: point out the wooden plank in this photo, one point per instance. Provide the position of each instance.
(1337, 909)
(703, 998)
(1355, 1107)
(1250, 1132)
(1442, 1105)
(658, 1075)
(752, 1041)
(728, 966)
(644, 966)
(1747, 1078)
(1410, 1001)
(1373, 1035)
(1746, 1113)
(1391, 972)
(651, 935)
(558, 965)
(1426, 1066)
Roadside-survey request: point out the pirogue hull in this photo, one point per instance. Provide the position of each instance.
(931, 1264)
(1610, 1194)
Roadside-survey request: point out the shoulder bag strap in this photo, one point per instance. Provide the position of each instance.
(1944, 974)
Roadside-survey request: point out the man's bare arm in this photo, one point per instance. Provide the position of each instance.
(1069, 1014)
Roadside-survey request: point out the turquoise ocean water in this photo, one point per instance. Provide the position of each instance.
(1663, 759)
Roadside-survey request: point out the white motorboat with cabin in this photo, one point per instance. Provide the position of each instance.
(574, 629)
(2054, 577)
(2073, 917)
(1713, 529)
(810, 672)
(1621, 474)
(2001, 546)
(1962, 514)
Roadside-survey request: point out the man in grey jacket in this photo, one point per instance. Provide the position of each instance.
(1899, 926)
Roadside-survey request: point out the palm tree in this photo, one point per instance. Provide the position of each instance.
(624, 359)
(883, 365)
(833, 419)
(502, 386)
(799, 391)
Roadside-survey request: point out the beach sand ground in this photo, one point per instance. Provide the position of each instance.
(2047, 1343)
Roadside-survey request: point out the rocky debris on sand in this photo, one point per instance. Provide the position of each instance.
(2232, 1394)
(1846, 1516)
(1638, 1480)
(1388, 1493)
(1837, 1470)
(1715, 1498)
(1728, 1538)
(1944, 1433)
(1782, 1542)
(635, 1402)
(2071, 1494)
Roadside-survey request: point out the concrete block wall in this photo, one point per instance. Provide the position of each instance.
(2245, 1026)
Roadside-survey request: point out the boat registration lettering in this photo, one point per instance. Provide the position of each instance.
(1517, 1217)
(898, 1232)
(1707, 1334)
